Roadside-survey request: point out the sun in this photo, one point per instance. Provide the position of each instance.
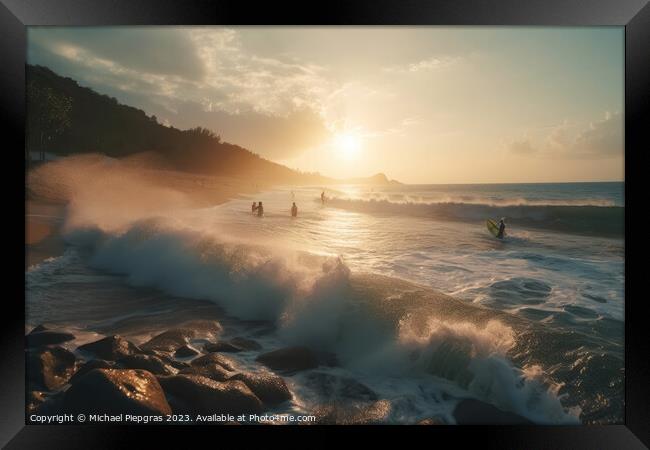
(348, 145)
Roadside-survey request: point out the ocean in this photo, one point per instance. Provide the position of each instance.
(402, 283)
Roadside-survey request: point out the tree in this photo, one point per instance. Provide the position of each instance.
(48, 115)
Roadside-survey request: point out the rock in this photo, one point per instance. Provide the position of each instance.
(174, 338)
(179, 365)
(168, 359)
(185, 351)
(46, 403)
(212, 371)
(245, 344)
(169, 340)
(201, 395)
(289, 359)
(221, 347)
(238, 344)
(91, 365)
(432, 421)
(335, 387)
(203, 326)
(269, 388)
(150, 363)
(39, 328)
(34, 401)
(49, 368)
(116, 391)
(214, 366)
(372, 414)
(215, 358)
(111, 348)
(47, 337)
(475, 412)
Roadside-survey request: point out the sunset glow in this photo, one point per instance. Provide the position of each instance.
(436, 105)
(348, 146)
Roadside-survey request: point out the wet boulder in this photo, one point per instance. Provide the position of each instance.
(169, 340)
(234, 345)
(336, 387)
(289, 359)
(357, 414)
(204, 327)
(39, 328)
(47, 337)
(110, 348)
(45, 403)
(34, 400)
(269, 388)
(172, 339)
(432, 421)
(245, 344)
(116, 391)
(212, 371)
(185, 351)
(202, 395)
(215, 358)
(91, 365)
(167, 359)
(221, 346)
(213, 365)
(475, 412)
(49, 368)
(150, 363)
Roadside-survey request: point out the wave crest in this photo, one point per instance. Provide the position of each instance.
(593, 219)
(249, 281)
(475, 359)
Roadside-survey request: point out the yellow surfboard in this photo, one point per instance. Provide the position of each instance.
(492, 227)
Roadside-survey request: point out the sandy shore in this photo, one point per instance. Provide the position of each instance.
(43, 221)
(51, 186)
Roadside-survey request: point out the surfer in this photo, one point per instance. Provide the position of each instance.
(253, 208)
(502, 228)
(322, 197)
(294, 210)
(260, 210)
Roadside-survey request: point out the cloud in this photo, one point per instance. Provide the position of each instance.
(267, 85)
(219, 73)
(601, 139)
(522, 147)
(424, 65)
(161, 51)
(197, 76)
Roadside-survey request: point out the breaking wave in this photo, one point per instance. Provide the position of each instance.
(584, 217)
(310, 300)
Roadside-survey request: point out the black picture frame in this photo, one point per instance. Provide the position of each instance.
(16, 15)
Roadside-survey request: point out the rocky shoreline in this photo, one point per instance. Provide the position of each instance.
(170, 375)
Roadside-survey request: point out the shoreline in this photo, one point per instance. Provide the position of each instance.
(141, 315)
(43, 223)
(47, 201)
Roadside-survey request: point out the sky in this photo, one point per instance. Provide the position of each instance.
(420, 104)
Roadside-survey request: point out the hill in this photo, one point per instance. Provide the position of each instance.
(64, 118)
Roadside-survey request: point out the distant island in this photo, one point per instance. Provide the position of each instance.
(378, 179)
(68, 119)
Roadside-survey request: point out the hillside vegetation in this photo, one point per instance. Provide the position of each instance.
(66, 119)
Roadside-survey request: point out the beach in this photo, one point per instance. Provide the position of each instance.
(317, 225)
(43, 238)
(381, 305)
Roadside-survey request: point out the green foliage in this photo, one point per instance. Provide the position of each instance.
(79, 120)
(48, 114)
